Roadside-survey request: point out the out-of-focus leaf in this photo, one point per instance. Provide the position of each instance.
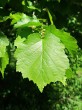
(79, 71)
(69, 73)
(2, 19)
(4, 59)
(22, 20)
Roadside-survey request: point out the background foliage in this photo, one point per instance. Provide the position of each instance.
(17, 93)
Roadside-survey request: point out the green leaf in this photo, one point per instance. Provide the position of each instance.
(4, 62)
(22, 20)
(79, 71)
(15, 17)
(2, 19)
(30, 6)
(4, 59)
(59, 1)
(69, 41)
(41, 59)
(69, 73)
(24, 32)
(50, 16)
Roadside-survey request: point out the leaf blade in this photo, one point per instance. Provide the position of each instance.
(69, 41)
(37, 58)
(4, 59)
